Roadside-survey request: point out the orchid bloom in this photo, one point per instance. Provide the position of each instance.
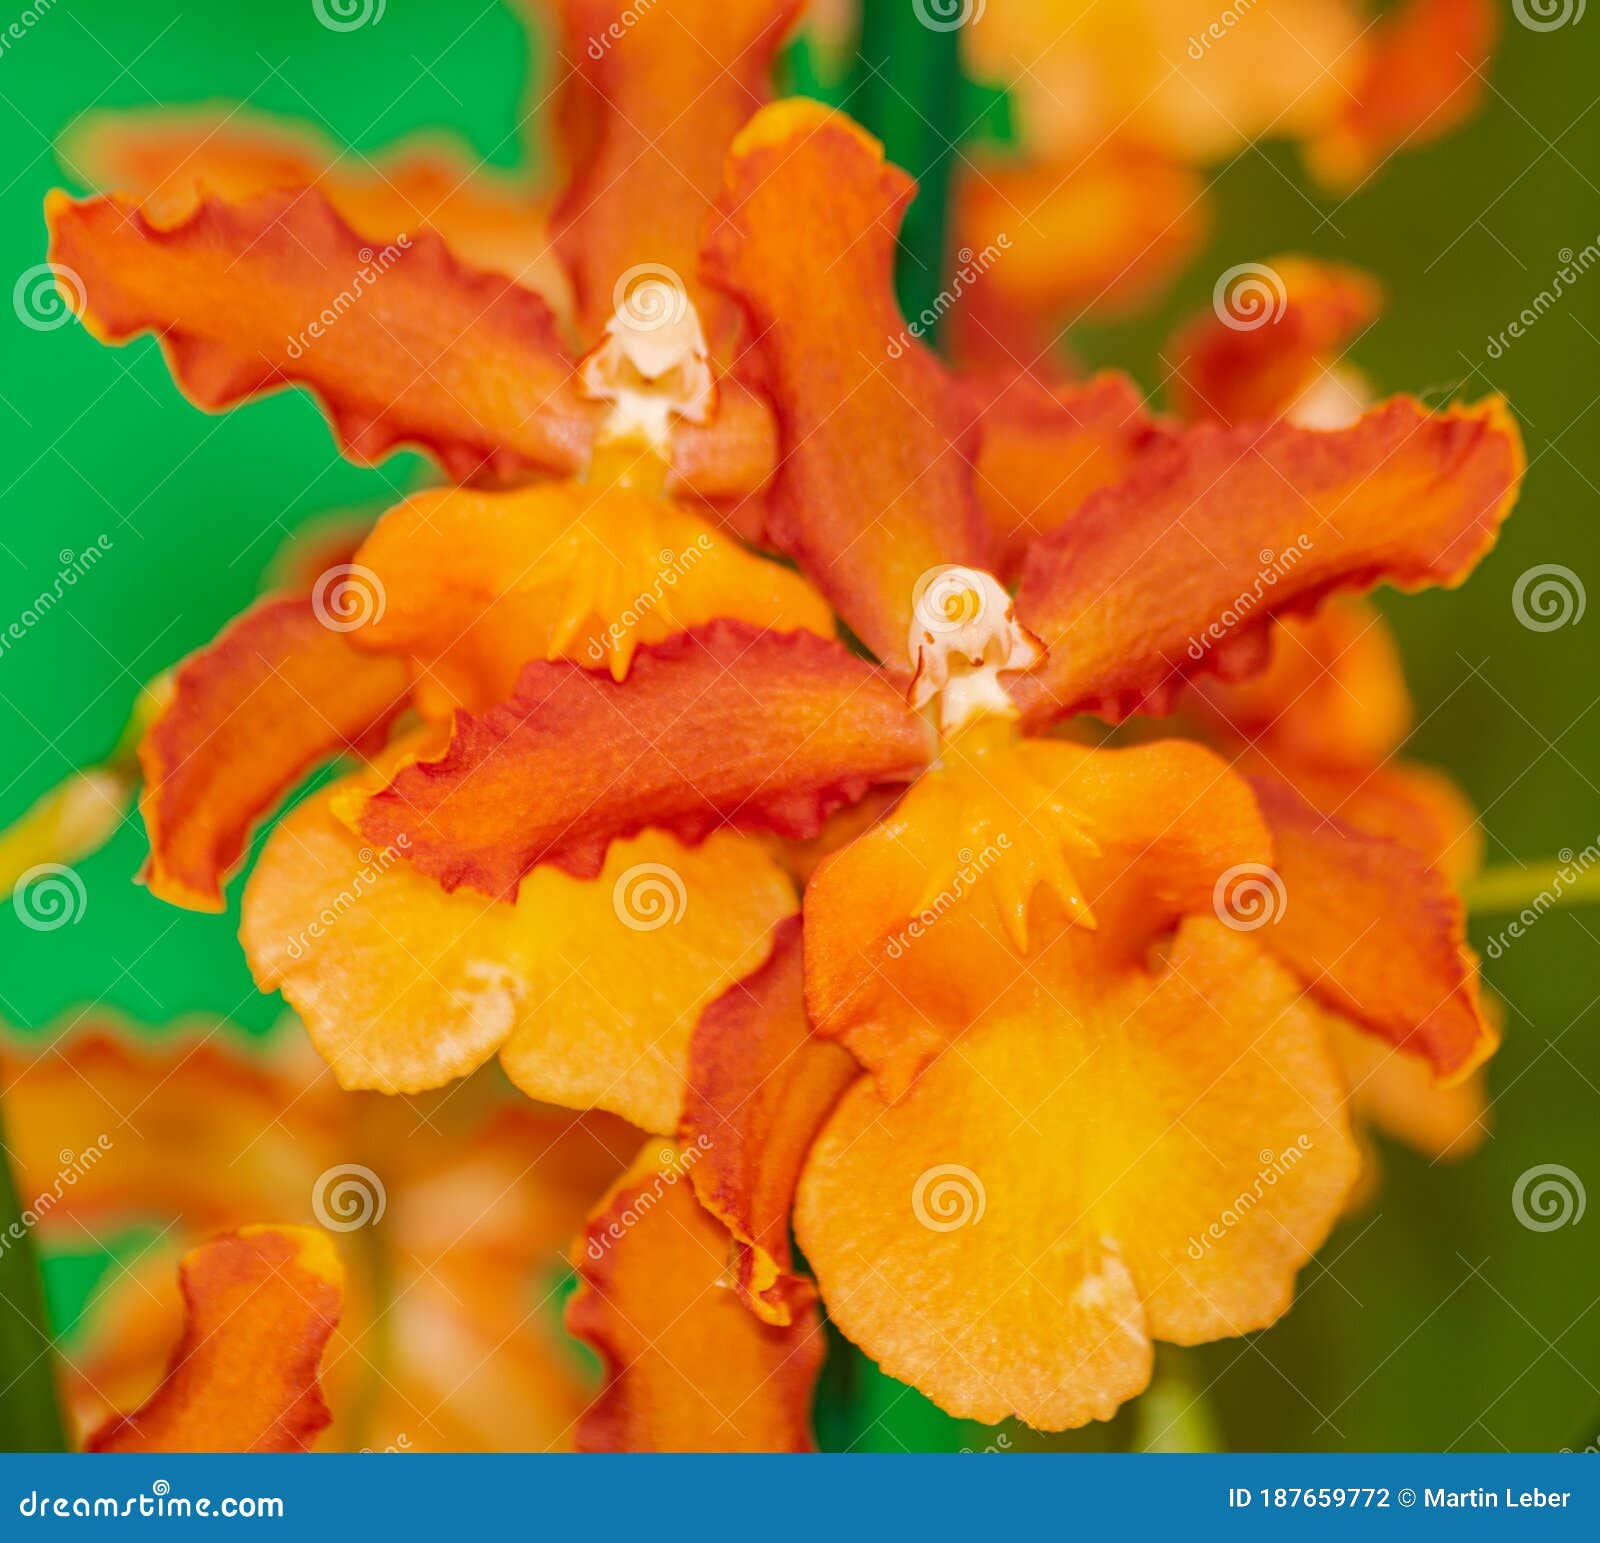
(1045, 1008)
(447, 1223)
(1120, 109)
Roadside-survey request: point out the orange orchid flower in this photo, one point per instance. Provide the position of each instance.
(1119, 110)
(1033, 1029)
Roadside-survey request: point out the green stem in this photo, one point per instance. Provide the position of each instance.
(906, 86)
(1544, 886)
(1173, 1415)
(30, 1406)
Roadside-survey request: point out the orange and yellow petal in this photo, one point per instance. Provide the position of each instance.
(688, 1367)
(1375, 933)
(588, 990)
(874, 484)
(1151, 1155)
(1046, 448)
(1179, 568)
(1397, 1093)
(760, 1086)
(260, 1305)
(477, 584)
(402, 346)
(1046, 242)
(277, 692)
(726, 725)
(1000, 855)
(654, 97)
(170, 159)
(1423, 75)
(1231, 365)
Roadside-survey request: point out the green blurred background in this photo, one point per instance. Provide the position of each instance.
(1433, 1319)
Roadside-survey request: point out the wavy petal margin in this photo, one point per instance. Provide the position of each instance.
(1179, 568)
(403, 345)
(760, 1086)
(874, 485)
(277, 692)
(725, 725)
(688, 1367)
(260, 1305)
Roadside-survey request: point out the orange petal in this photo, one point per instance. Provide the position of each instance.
(588, 990)
(260, 1305)
(401, 346)
(477, 584)
(760, 1086)
(1052, 241)
(1333, 694)
(936, 916)
(1230, 366)
(874, 486)
(1180, 567)
(1047, 448)
(277, 692)
(170, 159)
(721, 726)
(1423, 77)
(688, 1369)
(1134, 1156)
(1375, 933)
(1397, 1092)
(663, 92)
